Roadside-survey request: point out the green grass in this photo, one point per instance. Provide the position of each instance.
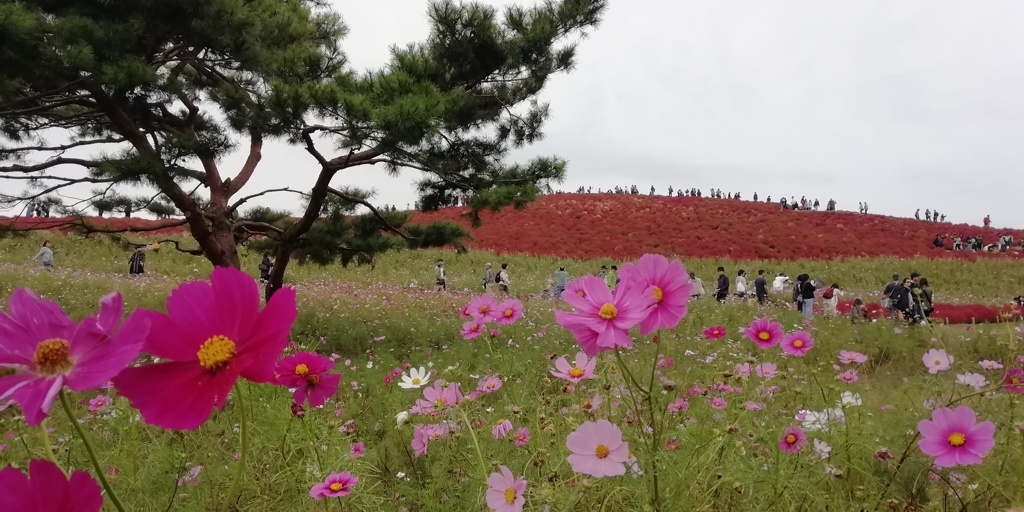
(389, 315)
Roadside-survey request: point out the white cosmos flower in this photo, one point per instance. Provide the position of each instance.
(416, 379)
(849, 398)
(401, 418)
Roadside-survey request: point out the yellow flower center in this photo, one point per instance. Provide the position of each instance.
(790, 439)
(763, 335)
(601, 451)
(483, 309)
(1015, 381)
(216, 352)
(608, 312)
(587, 406)
(576, 373)
(52, 357)
(658, 295)
(416, 382)
(714, 331)
(509, 313)
(510, 495)
(337, 486)
(440, 402)
(475, 327)
(490, 385)
(313, 379)
(301, 369)
(957, 439)
(581, 294)
(499, 422)
(798, 343)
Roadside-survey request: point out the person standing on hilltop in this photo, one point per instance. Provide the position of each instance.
(45, 255)
(917, 214)
(987, 221)
(561, 279)
(761, 288)
(722, 288)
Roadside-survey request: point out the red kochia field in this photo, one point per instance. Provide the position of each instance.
(625, 226)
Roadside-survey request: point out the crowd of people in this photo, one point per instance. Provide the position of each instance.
(958, 242)
(136, 262)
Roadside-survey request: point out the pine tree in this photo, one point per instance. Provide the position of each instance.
(152, 93)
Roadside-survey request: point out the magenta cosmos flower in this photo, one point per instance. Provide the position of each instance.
(797, 343)
(669, 284)
(584, 368)
(47, 350)
(765, 333)
(46, 489)
(714, 333)
(335, 486)
(483, 308)
(471, 329)
(953, 437)
(509, 311)
(793, 439)
(602, 320)
(213, 333)
(597, 449)
(505, 492)
(1013, 381)
(306, 373)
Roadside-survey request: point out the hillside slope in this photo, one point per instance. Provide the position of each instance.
(624, 226)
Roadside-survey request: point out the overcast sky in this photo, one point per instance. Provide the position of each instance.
(905, 105)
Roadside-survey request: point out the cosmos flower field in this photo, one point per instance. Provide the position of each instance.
(367, 390)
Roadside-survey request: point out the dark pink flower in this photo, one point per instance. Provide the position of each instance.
(335, 486)
(509, 311)
(99, 403)
(471, 329)
(522, 436)
(358, 450)
(46, 489)
(48, 351)
(484, 308)
(306, 372)
(213, 333)
(793, 439)
(797, 343)
(954, 437)
(1013, 381)
(714, 333)
(668, 283)
(764, 332)
(602, 320)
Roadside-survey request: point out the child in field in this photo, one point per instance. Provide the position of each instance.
(859, 313)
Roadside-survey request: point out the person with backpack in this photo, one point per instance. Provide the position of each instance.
(927, 305)
(440, 277)
(265, 267)
(722, 287)
(502, 279)
(761, 288)
(803, 294)
(830, 299)
(887, 296)
(901, 300)
(488, 278)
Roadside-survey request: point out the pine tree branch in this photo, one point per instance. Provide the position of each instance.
(373, 210)
(263, 226)
(54, 162)
(64, 147)
(255, 155)
(242, 201)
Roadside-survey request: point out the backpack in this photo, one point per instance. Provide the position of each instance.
(829, 292)
(797, 295)
(497, 277)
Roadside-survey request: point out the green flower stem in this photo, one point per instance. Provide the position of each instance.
(244, 435)
(44, 438)
(476, 444)
(100, 473)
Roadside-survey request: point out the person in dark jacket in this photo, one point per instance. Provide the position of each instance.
(265, 267)
(806, 294)
(927, 306)
(722, 289)
(901, 300)
(761, 287)
(887, 295)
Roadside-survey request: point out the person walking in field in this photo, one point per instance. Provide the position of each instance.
(698, 286)
(804, 295)
(441, 278)
(45, 255)
(722, 287)
(137, 261)
(488, 278)
(265, 267)
(561, 279)
(504, 281)
(761, 288)
(741, 284)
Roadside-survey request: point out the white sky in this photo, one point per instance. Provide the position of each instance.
(905, 105)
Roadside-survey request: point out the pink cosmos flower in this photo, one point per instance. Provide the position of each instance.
(420, 439)
(797, 343)
(669, 284)
(509, 311)
(679, 405)
(306, 372)
(718, 403)
(602, 320)
(505, 492)
(849, 376)
(489, 384)
(592, 404)
(358, 450)
(464, 312)
(522, 436)
(990, 365)
(501, 428)
(584, 368)
(936, 360)
(213, 333)
(753, 406)
(483, 308)
(974, 380)
(1013, 381)
(45, 488)
(335, 486)
(99, 403)
(793, 439)
(766, 370)
(471, 329)
(765, 333)
(438, 397)
(953, 437)
(597, 449)
(848, 357)
(47, 350)
(714, 333)
(742, 370)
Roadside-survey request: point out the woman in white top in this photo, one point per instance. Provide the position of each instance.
(698, 287)
(779, 285)
(741, 284)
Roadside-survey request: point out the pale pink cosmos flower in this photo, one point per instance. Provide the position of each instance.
(822, 448)
(850, 357)
(679, 405)
(718, 403)
(471, 329)
(954, 437)
(489, 384)
(742, 370)
(766, 370)
(483, 308)
(505, 491)
(592, 404)
(936, 360)
(849, 376)
(584, 368)
(753, 406)
(522, 436)
(990, 365)
(99, 403)
(797, 343)
(509, 311)
(597, 449)
(974, 380)
(793, 439)
(501, 428)
(357, 451)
